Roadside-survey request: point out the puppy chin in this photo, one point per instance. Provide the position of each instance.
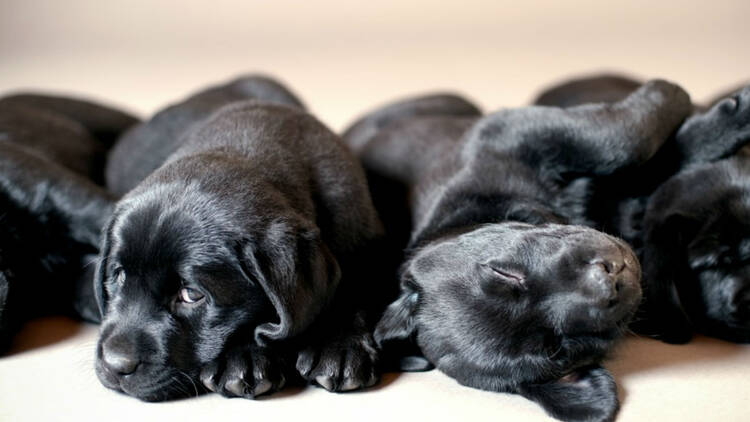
(107, 379)
(169, 386)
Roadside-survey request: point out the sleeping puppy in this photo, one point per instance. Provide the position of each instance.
(241, 258)
(687, 231)
(51, 209)
(502, 288)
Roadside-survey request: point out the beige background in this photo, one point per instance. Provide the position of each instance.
(344, 57)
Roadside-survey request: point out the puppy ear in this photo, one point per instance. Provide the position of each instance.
(396, 331)
(588, 394)
(101, 274)
(298, 274)
(705, 251)
(664, 264)
(86, 300)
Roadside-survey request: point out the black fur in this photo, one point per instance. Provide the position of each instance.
(501, 287)
(51, 210)
(106, 124)
(681, 213)
(259, 213)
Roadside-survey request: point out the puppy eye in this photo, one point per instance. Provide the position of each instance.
(189, 295)
(120, 276)
(497, 277)
(509, 277)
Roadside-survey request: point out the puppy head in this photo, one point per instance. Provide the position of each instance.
(521, 308)
(184, 275)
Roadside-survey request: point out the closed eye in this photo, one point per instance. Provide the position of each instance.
(508, 276)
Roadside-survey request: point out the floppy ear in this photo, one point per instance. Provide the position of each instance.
(102, 269)
(396, 331)
(665, 264)
(705, 251)
(588, 394)
(297, 272)
(85, 299)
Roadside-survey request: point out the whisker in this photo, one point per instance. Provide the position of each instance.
(195, 387)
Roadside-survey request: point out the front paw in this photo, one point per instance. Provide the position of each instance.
(342, 364)
(247, 372)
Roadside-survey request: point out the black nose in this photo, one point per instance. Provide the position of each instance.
(119, 355)
(605, 278)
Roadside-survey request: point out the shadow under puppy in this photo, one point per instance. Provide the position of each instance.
(241, 255)
(685, 212)
(502, 287)
(52, 207)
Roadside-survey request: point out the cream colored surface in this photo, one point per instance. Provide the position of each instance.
(344, 57)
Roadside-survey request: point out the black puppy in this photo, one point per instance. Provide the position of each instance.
(52, 152)
(244, 249)
(688, 232)
(501, 287)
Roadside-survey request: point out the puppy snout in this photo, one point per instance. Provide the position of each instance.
(609, 265)
(119, 355)
(610, 278)
(602, 283)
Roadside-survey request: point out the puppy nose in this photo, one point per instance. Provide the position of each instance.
(600, 283)
(605, 279)
(119, 355)
(611, 266)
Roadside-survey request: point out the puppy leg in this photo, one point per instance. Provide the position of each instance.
(344, 359)
(718, 132)
(595, 139)
(340, 353)
(245, 371)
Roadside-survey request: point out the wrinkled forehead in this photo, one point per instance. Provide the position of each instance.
(512, 239)
(159, 231)
(163, 247)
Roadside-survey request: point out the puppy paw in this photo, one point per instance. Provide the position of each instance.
(244, 372)
(342, 364)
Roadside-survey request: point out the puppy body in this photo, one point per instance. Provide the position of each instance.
(52, 209)
(240, 255)
(637, 204)
(501, 287)
(144, 148)
(104, 123)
